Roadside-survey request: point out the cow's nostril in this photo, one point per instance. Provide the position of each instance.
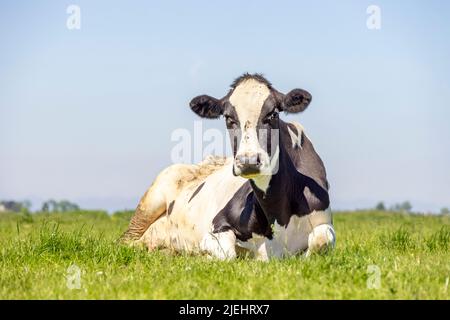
(249, 162)
(258, 160)
(241, 160)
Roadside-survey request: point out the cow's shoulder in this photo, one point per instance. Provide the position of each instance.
(303, 154)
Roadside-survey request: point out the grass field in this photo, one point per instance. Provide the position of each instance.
(411, 253)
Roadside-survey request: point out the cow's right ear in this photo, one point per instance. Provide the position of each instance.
(207, 107)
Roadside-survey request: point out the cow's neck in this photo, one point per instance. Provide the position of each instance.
(283, 196)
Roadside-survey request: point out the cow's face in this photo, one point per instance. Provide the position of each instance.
(251, 110)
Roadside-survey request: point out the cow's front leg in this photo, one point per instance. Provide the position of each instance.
(321, 239)
(220, 245)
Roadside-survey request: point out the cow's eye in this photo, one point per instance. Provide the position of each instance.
(230, 121)
(270, 117)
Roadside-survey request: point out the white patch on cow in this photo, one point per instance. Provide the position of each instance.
(257, 245)
(296, 138)
(288, 240)
(321, 238)
(262, 181)
(248, 99)
(220, 245)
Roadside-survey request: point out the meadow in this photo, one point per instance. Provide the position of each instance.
(379, 255)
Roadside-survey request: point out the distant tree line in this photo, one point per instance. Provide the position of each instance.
(67, 206)
(48, 206)
(403, 207)
(15, 206)
(59, 206)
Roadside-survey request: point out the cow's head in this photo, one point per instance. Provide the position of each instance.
(251, 110)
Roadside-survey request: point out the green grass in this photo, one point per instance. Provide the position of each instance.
(411, 252)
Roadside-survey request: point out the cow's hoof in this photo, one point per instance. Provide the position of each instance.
(321, 239)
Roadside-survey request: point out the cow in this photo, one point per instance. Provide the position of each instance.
(270, 200)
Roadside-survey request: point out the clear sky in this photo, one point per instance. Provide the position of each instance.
(87, 114)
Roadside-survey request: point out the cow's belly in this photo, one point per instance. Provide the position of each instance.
(289, 240)
(171, 233)
(191, 216)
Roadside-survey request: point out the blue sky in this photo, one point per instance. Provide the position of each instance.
(88, 114)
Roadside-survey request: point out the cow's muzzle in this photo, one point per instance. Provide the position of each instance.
(248, 165)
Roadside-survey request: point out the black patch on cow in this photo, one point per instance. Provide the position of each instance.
(268, 120)
(196, 191)
(169, 210)
(243, 216)
(305, 159)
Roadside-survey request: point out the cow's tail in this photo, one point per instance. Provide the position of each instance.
(150, 208)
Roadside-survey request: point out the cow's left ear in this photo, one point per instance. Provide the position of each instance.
(206, 107)
(296, 101)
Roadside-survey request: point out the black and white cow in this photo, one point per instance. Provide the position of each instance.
(270, 199)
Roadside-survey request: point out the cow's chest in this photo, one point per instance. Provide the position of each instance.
(286, 240)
